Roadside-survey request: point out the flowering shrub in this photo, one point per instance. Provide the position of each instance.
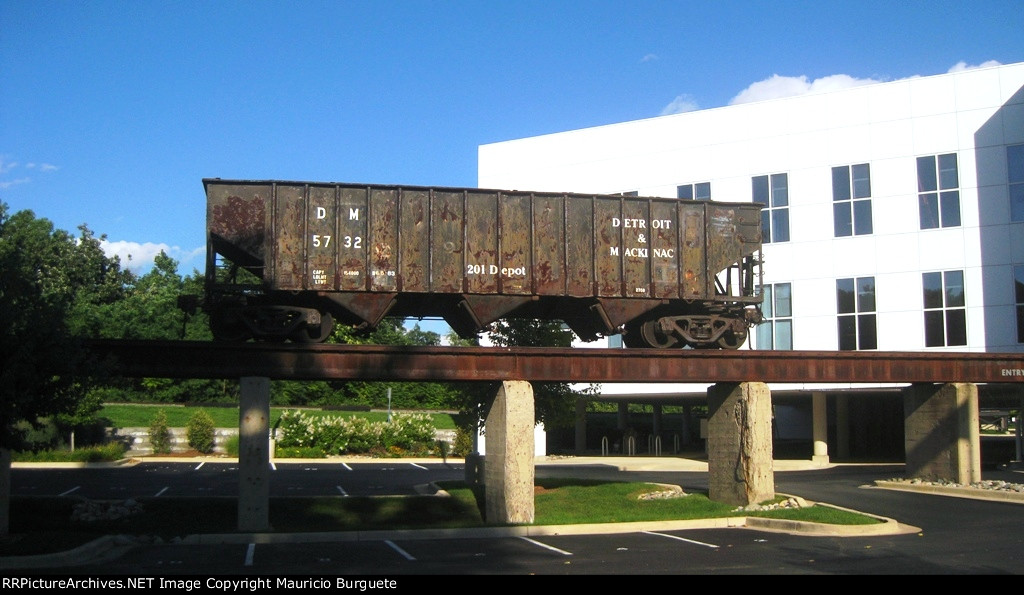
(407, 433)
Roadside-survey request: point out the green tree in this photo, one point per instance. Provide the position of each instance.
(555, 402)
(404, 395)
(51, 280)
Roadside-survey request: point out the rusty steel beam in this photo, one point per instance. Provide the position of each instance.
(182, 359)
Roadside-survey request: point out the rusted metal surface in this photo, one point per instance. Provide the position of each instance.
(177, 359)
(595, 261)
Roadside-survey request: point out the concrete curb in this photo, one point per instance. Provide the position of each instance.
(107, 547)
(955, 491)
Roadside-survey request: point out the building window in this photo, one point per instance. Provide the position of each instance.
(851, 200)
(945, 311)
(700, 191)
(1015, 167)
(855, 305)
(776, 330)
(631, 193)
(773, 192)
(1018, 290)
(938, 194)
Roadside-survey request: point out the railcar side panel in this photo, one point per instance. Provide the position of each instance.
(608, 246)
(549, 256)
(381, 214)
(237, 222)
(288, 270)
(321, 263)
(696, 283)
(414, 242)
(447, 268)
(635, 248)
(481, 243)
(514, 269)
(579, 246)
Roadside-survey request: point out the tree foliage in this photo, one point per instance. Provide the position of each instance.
(555, 402)
(51, 280)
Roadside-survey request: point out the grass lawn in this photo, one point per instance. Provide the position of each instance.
(40, 525)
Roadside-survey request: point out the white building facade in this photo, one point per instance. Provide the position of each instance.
(894, 212)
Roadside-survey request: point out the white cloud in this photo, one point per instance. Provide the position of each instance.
(5, 184)
(775, 87)
(961, 65)
(7, 166)
(139, 257)
(649, 58)
(682, 103)
(41, 166)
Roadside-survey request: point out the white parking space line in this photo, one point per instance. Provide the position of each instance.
(417, 465)
(710, 545)
(249, 553)
(347, 468)
(160, 493)
(71, 490)
(546, 546)
(404, 553)
(273, 466)
(341, 491)
(199, 466)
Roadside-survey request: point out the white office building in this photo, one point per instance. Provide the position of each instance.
(894, 212)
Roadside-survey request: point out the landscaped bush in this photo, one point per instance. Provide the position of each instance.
(111, 451)
(231, 445)
(200, 432)
(406, 434)
(159, 434)
(463, 444)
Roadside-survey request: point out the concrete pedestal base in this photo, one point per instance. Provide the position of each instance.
(942, 432)
(740, 468)
(254, 455)
(508, 456)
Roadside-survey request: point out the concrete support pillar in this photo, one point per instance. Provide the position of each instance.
(581, 426)
(656, 430)
(686, 432)
(1019, 432)
(942, 433)
(819, 427)
(740, 470)
(5, 492)
(509, 453)
(843, 427)
(254, 454)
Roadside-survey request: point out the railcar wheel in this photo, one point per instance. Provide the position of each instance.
(732, 339)
(228, 330)
(654, 336)
(315, 334)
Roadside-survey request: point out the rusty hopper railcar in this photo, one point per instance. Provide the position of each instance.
(662, 272)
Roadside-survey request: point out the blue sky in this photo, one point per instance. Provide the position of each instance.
(112, 112)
